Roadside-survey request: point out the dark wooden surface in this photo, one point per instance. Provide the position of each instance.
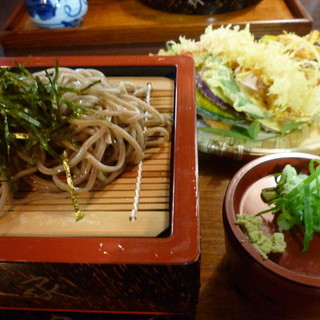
(219, 298)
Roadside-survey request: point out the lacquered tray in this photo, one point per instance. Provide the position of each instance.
(165, 195)
(127, 275)
(128, 22)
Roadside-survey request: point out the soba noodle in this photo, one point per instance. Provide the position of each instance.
(114, 133)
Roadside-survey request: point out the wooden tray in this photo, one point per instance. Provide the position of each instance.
(114, 22)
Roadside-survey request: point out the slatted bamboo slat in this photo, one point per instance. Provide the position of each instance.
(107, 210)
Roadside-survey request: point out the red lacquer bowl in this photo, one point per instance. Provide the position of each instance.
(287, 284)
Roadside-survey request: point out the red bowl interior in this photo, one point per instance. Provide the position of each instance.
(243, 196)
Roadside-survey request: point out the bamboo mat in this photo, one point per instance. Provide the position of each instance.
(107, 211)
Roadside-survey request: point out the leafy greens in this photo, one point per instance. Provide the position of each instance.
(296, 198)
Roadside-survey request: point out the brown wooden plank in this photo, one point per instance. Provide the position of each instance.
(96, 223)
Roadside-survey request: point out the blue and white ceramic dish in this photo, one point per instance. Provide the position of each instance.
(54, 14)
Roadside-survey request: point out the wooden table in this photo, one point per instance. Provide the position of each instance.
(219, 298)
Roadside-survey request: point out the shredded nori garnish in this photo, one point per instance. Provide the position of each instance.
(29, 112)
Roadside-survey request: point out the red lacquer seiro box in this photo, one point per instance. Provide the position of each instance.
(106, 266)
